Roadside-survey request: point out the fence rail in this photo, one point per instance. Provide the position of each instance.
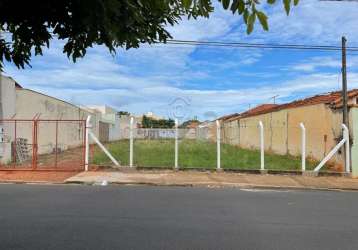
(42, 144)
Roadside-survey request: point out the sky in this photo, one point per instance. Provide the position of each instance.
(184, 82)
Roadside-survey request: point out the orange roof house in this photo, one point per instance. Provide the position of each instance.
(321, 115)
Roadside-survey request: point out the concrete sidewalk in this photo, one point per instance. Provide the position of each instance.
(214, 179)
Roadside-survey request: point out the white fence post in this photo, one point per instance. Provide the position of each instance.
(103, 148)
(303, 146)
(262, 145)
(87, 128)
(90, 134)
(335, 149)
(131, 142)
(218, 138)
(347, 154)
(176, 145)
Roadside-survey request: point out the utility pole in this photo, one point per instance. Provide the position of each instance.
(274, 98)
(344, 90)
(344, 82)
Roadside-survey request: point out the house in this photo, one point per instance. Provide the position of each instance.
(61, 123)
(230, 131)
(321, 115)
(109, 122)
(153, 116)
(206, 131)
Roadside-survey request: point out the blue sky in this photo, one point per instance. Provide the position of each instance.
(188, 81)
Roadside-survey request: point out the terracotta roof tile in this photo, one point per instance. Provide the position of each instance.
(259, 109)
(226, 117)
(193, 124)
(334, 99)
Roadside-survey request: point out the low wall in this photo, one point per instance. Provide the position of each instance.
(282, 133)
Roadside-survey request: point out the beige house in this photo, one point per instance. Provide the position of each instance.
(321, 115)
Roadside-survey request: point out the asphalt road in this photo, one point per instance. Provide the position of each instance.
(128, 217)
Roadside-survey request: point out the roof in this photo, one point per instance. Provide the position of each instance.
(338, 102)
(193, 124)
(251, 112)
(259, 109)
(17, 85)
(226, 117)
(333, 99)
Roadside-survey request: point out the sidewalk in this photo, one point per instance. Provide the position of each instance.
(214, 179)
(29, 176)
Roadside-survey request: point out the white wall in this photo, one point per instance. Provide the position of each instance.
(104, 109)
(7, 110)
(71, 134)
(19, 103)
(114, 127)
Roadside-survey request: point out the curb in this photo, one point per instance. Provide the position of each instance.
(217, 185)
(243, 171)
(31, 182)
(202, 184)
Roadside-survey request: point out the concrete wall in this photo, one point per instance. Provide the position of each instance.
(19, 103)
(113, 122)
(7, 97)
(109, 116)
(124, 124)
(7, 110)
(104, 109)
(29, 103)
(283, 134)
(354, 134)
(230, 132)
(70, 134)
(206, 131)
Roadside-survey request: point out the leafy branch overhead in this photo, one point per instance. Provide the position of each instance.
(114, 23)
(248, 10)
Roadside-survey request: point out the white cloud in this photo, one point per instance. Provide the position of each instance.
(150, 78)
(158, 99)
(316, 63)
(312, 22)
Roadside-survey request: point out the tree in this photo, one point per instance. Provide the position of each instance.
(27, 27)
(123, 113)
(148, 122)
(187, 123)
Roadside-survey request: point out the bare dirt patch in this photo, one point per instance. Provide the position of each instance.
(35, 176)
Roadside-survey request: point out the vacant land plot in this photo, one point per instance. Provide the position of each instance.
(194, 154)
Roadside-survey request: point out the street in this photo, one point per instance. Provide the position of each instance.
(147, 217)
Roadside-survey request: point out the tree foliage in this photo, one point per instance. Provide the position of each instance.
(123, 113)
(188, 123)
(148, 122)
(27, 27)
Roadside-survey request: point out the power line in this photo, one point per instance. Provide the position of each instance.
(259, 45)
(251, 45)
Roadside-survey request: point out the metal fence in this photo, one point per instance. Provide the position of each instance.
(42, 144)
(61, 145)
(153, 147)
(251, 147)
